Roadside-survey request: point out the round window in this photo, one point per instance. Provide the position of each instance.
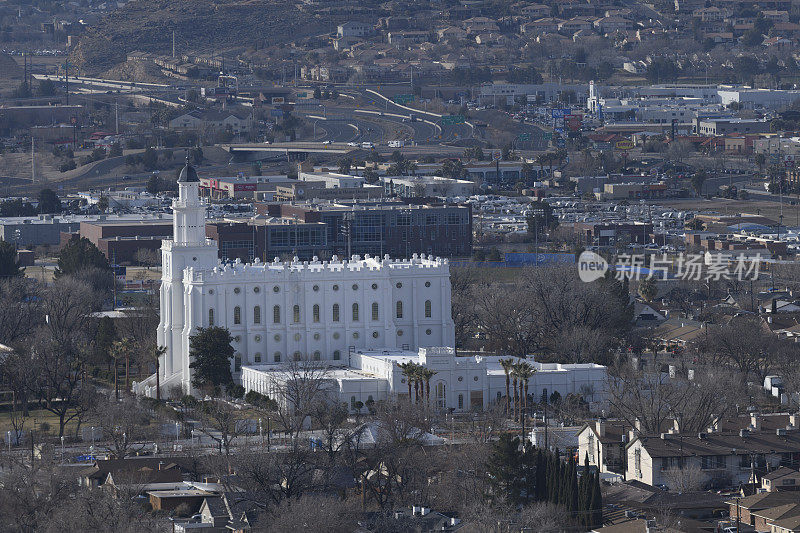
(236, 290)
(355, 287)
(238, 338)
(427, 332)
(297, 336)
(374, 286)
(277, 338)
(336, 335)
(460, 378)
(399, 332)
(427, 283)
(475, 378)
(336, 287)
(355, 334)
(374, 334)
(257, 338)
(276, 289)
(194, 259)
(399, 285)
(210, 291)
(256, 289)
(316, 336)
(316, 288)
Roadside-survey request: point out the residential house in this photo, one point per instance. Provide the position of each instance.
(748, 507)
(451, 33)
(783, 478)
(569, 27)
(213, 120)
(607, 25)
(543, 25)
(353, 30)
(727, 457)
(535, 11)
(776, 15)
(406, 37)
(480, 25)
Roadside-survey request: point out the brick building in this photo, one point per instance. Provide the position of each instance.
(121, 240)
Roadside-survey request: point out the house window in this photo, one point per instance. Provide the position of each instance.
(237, 315)
(337, 355)
(276, 314)
(257, 357)
(427, 308)
(637, 460)
(317, 356)
(399, 309)
(375, 311)
(210, 317)
(461, 401)
(355, 312)
(315, 312)
(336, 312)
(590, 444)
(257, 314)
(353, 403)
(297, 356)
(276, 357)
(296, 314)
(237, 362)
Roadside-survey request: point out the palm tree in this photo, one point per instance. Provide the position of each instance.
(426, 374)
(157, 352)
(541, 159)
(516, 392)
(524, 370)
(507, 365)
(408, 372)
(121, 349)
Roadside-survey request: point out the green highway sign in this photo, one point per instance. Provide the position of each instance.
(524, 136)
(403, 98)
(547, 136)
(453, 119)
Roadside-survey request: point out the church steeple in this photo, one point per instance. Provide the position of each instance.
(189, 226)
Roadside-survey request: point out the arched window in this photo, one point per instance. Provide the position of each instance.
(375, 311)
(428, 309)
(237, 362)
(355, 312)
(399, 310)
(441, 400)
(353, 402)
(336, 312)
(276, 314)
(297, 356)
(257, 357)
(461, 401)
(296, 314)
(499, 396)
(237, 315)
(276, 357)
(337, 355)
(315, 312)
(257, 314)
(317, 356)
(210, 317)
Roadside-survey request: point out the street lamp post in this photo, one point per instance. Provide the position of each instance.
(177, 433)
(62, 448)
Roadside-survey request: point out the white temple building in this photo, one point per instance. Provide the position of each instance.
(360, 318)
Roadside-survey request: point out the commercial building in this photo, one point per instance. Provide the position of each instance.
(724, 126)
(319, 190)
(632, 191)
(426, 186)
(267, 238)
(610, 233)
(240, 186)
(392, 227)
(121, 240)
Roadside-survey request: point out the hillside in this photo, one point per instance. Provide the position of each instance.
(201, 26)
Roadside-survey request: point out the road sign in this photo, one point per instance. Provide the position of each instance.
(524, 136)
(560, 113)
(560, 131)
(574, 122)
(453, 119)
(277, 100)
(624, 145)
(276, 112)
(403, 98)
(547, 136)
(497, 155)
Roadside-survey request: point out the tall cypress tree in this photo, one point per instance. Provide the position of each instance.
(584, 496)
(597, 502)
(541, 475)
(572, 480)
(504, 469)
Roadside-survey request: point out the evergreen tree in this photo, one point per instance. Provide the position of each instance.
(530, 473)
(584, 497)
(596, 507)
(49, 201)
(79, 255)
(504, 469)
(103, 340)
(210, 351)
(541, 475)
(572, 486)
(9, 265)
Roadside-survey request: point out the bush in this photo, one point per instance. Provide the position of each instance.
(236, 391)
(68, 165)
(188, 400)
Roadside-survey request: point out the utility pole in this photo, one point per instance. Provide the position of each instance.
(173, 44)
(116, 115)
(33, 159)
(66, 79)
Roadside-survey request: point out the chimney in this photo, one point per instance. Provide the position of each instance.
(600, 427)
(637, 424)
(744, 432)
(755, 421)
(794, 419)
